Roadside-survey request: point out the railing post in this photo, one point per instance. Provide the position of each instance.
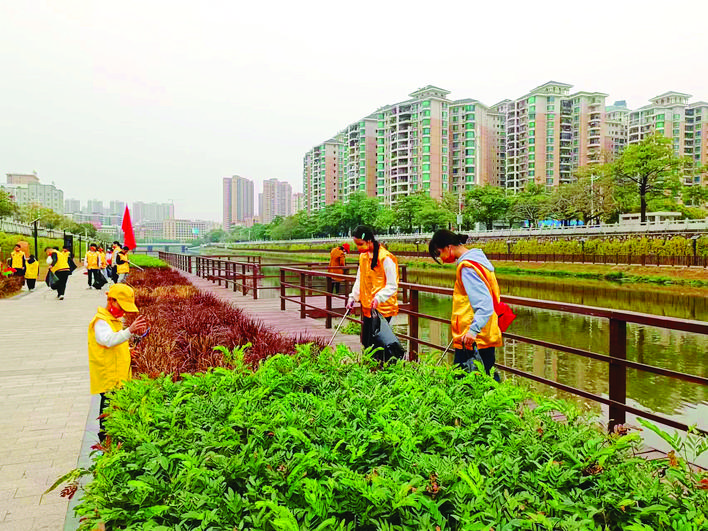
(234, 286)
(328, 303)
(243, 279)
(413, 325)
(618, 373)
(404, 279)
(303, 294)
(219, 274)
(282, 290)
(256, 270)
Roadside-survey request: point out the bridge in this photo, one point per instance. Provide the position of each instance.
(168, 247)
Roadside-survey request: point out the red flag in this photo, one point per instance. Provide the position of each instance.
(127, 226)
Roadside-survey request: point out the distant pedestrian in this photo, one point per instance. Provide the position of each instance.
(108, 349)
(59, 266)
(102, 262)
(18, 261)
(337, 260)
(112, 261)
(122, 265)
(92, 263)
(32, 272)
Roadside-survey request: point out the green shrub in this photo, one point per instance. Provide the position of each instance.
(317, 442)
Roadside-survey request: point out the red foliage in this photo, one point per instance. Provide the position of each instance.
(186, 325)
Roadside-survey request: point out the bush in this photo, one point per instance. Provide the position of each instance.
(9, 286)
(317, 442)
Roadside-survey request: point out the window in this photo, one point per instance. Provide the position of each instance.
(426, 149)
(426, 140)
(425, 103)
(532, 99)
(426, 113)
(426, 121)
(426, 158)
(426, 130)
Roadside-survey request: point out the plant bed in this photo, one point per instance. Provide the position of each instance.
(9, 286)
(186, 325)
(318, 442)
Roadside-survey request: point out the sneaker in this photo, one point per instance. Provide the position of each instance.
(61, 297)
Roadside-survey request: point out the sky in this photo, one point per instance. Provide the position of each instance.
(159, 100)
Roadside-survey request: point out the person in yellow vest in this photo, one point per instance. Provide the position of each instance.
(32, 272)
(103, 262)
(337, 260)
(59, 265)
(92, 263)
(473, 319)
(122, 264)
(108, 349)
(376, 285)
(18, 261)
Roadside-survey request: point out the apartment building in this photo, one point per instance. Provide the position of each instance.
(298, 202)
(21, 178)
(674, 117)
(186, 229)
(141, 212)
(276, 200)
(238, 199)
(617, 127)
(72, 206)
(35, 193)
(359, 171)
(323, 169)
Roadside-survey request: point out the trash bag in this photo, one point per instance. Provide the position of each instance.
(469, 364)
(51, 280)
(99, 281)
(379, 334)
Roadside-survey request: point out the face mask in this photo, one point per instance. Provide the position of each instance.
(116, 311)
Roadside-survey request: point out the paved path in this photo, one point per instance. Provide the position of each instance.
(44, 392)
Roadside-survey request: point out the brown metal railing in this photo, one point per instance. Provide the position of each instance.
(617, 358)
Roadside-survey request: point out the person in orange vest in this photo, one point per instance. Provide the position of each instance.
(473, 319)
(108, 349)
(337, 260)
(376, 285)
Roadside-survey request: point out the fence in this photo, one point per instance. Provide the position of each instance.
(301, 278)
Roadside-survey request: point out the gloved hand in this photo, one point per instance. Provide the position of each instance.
(350, 304)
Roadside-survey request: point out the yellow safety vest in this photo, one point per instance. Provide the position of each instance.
(463, 314)
(371, 281)
(91, 260)
(109, 367)
(103, 261)
(17, 257)
(62, 262)
(32, 271)
(125, 266)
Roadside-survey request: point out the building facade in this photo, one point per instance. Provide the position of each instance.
(34, 193)
(322, 173)
(238, 197)
(143, 212)
(22, 178)
(298, 202)
(276, 200)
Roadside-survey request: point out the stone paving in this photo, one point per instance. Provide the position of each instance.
(44, 392)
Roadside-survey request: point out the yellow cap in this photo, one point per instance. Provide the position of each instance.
(124, 296)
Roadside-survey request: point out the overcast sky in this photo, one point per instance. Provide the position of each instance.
(157, 101)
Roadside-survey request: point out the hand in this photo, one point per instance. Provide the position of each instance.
(374, 303)
(350, 304)
(468, 340)
(139, 326)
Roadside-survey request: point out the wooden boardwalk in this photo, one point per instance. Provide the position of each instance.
(267, 309)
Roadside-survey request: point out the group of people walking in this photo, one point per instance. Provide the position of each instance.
(101, 266)
(476, 304)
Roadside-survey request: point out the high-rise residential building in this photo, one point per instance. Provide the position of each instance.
(549, 133)
(94, 206)
(617, 127)
(142, 212)
(322, 172)
(276, 200)
(117, 208)
(298, 202)
(21, 178)
(34, 193)
(359, 163)
(72, 206)
(674, 117)
(237, 201)
(186, 229)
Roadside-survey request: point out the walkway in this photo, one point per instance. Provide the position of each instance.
(44, 391)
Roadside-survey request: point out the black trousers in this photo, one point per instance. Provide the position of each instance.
(62, 277)
(93, 276)
(31, 282)
(486, 354)
(335, 287)
(114, 274)
(19, 272)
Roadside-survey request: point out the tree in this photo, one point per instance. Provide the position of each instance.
(406, 209)
(8, 207)
(359, 210)
(385, 221)
(486, 204)
(649, 169)
(529, 204)
(433, 216)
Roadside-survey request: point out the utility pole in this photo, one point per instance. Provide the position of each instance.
(36, 250)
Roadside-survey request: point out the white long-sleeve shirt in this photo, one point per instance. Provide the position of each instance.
(106, 337)
(388, 290)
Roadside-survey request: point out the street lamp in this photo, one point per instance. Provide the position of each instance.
(36, 250)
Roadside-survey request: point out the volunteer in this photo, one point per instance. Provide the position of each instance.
(337, 260)
(108, 349)
(122, 264)
(18, 261)
(473, 318)
(59, 266)
(92, 263)
(32, 272)
(376, 285)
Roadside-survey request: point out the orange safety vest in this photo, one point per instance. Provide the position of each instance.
(463, 314)
(371, 281)
(337, 259)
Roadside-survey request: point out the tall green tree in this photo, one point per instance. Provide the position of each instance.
(649, 169)
(529, 204)
(8, 207)
(359, 210)
(486, 204)
(406, 209)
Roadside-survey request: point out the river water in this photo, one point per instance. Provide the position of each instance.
(678, 351)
